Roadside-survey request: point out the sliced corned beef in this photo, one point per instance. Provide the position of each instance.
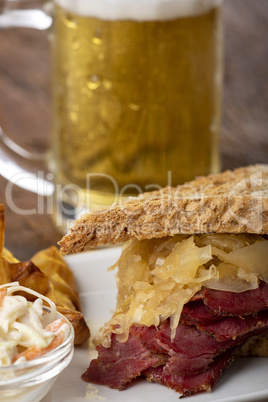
(196, 312)
(189, 341)
(192, 384)
(233, 327)
(193, 357)
(118, 365)
(191, 351)
(222, 327)
(206, 340)
(229, 303)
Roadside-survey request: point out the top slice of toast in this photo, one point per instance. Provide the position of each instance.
(229, 202)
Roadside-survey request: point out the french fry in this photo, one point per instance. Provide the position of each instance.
(63, 290)
(5, 274)
(30, 276)
(62, 283)
(7, 255)
(81, 330)
(47, 273)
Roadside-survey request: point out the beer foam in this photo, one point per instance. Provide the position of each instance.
(138, 10)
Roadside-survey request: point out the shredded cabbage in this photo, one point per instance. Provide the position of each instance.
(23, 324)
(156, 277)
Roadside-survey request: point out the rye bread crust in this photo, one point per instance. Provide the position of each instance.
(229, 202)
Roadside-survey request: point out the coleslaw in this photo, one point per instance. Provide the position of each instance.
(27, 329)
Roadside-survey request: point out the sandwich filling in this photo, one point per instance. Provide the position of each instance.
(186, 305)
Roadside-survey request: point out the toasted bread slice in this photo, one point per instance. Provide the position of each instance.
(256, 346)
(229, 202)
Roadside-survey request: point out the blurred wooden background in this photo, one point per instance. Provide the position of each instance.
(25, 107)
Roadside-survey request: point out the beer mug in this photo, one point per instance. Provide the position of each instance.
(136, 93)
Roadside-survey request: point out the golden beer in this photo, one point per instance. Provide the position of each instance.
(136, 102)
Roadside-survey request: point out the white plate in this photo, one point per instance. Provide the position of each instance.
(245, 381)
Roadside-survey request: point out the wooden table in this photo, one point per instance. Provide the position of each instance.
(25, 108)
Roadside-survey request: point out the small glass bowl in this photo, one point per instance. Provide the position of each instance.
(30, 381)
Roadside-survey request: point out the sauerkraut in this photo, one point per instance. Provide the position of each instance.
(156, 277)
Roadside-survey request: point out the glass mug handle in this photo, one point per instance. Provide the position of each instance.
(18, 165)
